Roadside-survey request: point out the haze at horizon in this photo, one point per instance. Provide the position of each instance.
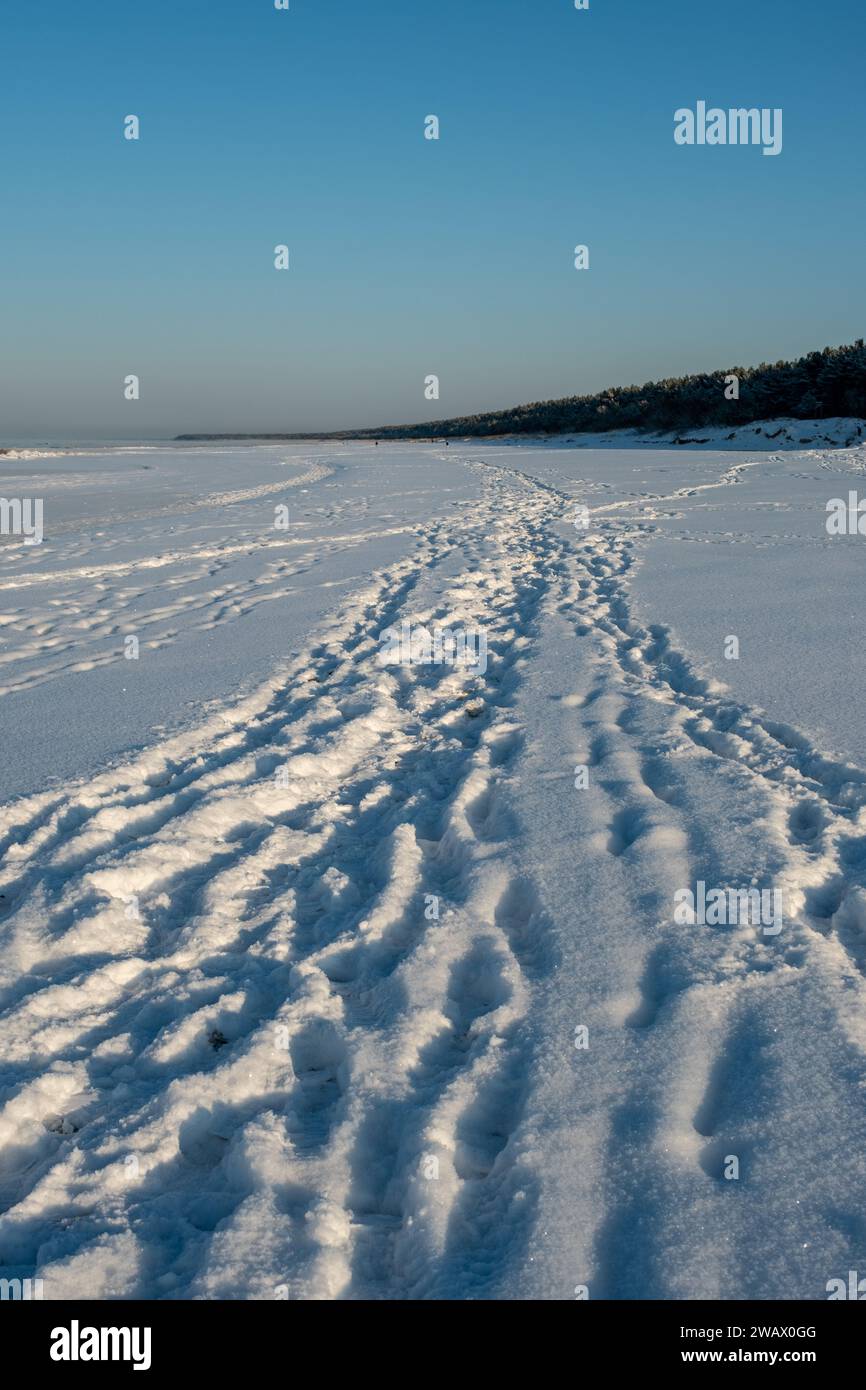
(410, 257)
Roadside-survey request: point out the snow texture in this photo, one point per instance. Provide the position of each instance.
(329, 979)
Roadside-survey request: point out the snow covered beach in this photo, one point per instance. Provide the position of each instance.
(323, 978)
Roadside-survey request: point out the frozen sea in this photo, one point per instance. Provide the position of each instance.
(322, 977)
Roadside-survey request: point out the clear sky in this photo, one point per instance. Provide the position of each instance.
(409, 256)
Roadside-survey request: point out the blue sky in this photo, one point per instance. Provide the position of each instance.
(408, 256)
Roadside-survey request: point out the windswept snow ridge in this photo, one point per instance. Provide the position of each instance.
(352, 992)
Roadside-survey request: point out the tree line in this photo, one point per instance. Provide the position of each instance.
(826, 383)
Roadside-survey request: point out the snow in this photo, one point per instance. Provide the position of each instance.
(164, 544)
(323, 978)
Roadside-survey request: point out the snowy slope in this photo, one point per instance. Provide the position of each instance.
(291, 995)
(780, 433)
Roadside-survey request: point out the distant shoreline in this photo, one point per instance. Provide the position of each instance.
(827, 384)
(765, 435)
